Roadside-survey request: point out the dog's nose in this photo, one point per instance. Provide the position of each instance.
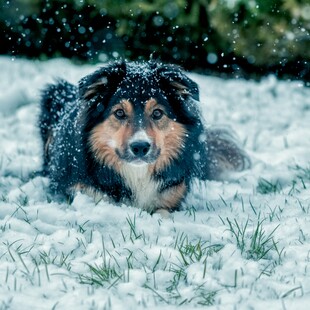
(140, 148)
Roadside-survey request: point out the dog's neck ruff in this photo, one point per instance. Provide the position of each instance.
(145, 190)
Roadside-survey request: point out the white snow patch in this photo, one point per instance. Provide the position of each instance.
(98, 255)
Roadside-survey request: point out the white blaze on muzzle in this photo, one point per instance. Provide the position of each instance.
(140, 144)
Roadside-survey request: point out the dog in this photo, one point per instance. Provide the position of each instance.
(133, 133)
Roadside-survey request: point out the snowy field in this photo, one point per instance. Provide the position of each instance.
(242, 244)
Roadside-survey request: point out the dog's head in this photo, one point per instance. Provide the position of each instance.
(138, 113)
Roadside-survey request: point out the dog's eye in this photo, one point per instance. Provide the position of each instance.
(157, 114)
(120, 114)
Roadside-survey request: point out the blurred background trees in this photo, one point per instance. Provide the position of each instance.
(240, 38)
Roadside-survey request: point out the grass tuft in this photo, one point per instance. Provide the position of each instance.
(196, 252)
(47, 258)
(256, 244)
(268, 187)
(205, 297)
(302, 172)
(104, 276)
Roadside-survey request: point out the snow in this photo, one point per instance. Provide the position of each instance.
(50, 250)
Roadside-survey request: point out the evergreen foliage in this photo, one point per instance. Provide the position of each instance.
(233, 36)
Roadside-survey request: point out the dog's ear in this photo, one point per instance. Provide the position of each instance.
(177, 82)
(103, 81)
(181, 92)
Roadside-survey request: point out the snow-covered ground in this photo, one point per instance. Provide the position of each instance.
(243, 244)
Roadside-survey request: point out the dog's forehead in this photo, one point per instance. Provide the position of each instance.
(140, 82)
(142, 69)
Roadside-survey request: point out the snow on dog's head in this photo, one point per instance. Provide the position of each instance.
(139, 114)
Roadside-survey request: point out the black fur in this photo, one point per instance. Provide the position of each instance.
(69, 113)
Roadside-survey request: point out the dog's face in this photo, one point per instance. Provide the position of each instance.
(138, 114)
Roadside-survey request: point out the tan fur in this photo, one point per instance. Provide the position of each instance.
(90, 191)
(181, 89)
(167, 134)
(163, 205)
(93, 89)
(145, 190)
(173, 141)
(150, 106)
(49, 141)
(172, 196)
(111, 132)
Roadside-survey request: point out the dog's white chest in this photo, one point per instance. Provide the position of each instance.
(144, 189)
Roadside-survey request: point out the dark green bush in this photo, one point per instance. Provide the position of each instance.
(266, 32)
(233, 36)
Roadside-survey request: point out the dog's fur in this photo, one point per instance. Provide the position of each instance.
(132, 132)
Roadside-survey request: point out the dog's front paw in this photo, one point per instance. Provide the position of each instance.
(164, 213)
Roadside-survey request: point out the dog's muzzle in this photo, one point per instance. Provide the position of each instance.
(140, 149)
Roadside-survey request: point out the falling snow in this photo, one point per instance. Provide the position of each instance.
(242, 244)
